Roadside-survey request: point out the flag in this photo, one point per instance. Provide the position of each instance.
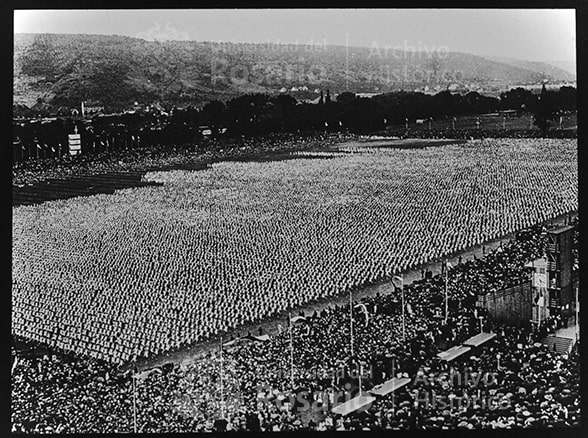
(140, 377)
(231, 342)
(365, 312)
(298, 319)
(540, 300)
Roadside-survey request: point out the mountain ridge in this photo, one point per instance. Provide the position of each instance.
(63, 69)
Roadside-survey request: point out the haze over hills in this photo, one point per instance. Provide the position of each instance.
(115, 71)
(569, 66)
(564, 70)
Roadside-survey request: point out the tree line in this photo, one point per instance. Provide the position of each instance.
(261, 114)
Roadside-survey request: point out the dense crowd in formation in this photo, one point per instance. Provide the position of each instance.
(161, 156)
(149, 270)
(511, 381)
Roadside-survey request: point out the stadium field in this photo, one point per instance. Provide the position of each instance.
(152, 269)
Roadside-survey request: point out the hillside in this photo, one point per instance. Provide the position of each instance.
(115, 71)
(547, 69)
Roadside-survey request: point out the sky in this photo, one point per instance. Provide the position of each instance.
(532, 34)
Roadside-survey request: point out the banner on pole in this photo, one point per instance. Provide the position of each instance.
(75, 144)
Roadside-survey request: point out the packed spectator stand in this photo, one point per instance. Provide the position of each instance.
(528, 386)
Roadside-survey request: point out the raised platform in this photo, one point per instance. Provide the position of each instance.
(479, 339)
(453, 353)
(355, 404)
(563, 340)
(390, 386)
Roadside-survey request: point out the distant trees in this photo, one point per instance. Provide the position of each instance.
(518, 99)
(564, 99)
(258, 114)
(214, 113)
(544, 110)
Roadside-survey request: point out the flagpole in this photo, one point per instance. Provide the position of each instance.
(393, 377)
(222, 403)
(291, 350)
(446, 292)
(359, 364)
(351, 318)
(577, 316)
(403, 322)
(134, 401)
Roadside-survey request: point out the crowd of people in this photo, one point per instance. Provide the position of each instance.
(160, 156)
(510, 383)
(150, 270)
(249, 385)
(473, 133)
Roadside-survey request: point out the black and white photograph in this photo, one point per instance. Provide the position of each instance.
(294, 220)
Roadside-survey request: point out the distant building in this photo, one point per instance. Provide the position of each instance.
(508, 113)
(513, 305)
(549, 290)
(90, 108)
